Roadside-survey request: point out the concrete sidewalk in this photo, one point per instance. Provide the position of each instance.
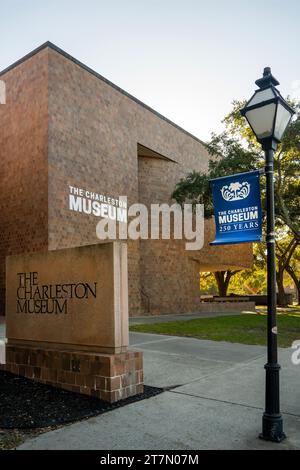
(149, 319)
(214, 399)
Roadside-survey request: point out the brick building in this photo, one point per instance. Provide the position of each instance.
(65, 125)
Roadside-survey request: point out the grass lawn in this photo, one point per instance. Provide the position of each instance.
(245, 328)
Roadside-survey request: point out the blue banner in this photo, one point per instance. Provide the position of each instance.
(237, 208)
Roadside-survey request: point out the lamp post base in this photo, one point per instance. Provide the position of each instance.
(272, 428)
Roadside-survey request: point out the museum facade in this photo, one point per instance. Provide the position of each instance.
(65, 128)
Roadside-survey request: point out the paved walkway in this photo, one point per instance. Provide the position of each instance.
(214, 400)
(2, 340)
(175, 317)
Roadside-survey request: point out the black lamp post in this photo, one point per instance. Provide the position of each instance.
(268, 115)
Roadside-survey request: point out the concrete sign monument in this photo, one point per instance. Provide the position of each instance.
(67, 320)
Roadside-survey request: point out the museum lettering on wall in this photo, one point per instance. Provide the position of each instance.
(98, 205)
(32, 297)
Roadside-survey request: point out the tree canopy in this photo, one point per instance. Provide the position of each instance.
(235, 151)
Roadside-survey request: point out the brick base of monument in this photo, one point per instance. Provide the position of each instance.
(110, 377)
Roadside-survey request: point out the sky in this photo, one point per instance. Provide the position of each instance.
(187, 59)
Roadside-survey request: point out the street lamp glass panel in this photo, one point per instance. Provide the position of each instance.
(261, 120)
(267, 112)
(260, 96)
(283, 117)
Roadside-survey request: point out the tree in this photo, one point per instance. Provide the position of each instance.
(236, 150)
(287, 186)
(223, 279)
(284, 253)
(207, 283)
(228, 156)
(286, 246)
(295, 279)
(252, 281)
(286, 164)
(293, 268)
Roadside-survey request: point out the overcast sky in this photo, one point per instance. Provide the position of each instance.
(188, 59)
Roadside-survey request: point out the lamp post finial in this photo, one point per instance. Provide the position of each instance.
(267, 71)
(267, 79)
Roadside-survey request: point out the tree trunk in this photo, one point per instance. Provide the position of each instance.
(298, 292)
(222, 279)
(281, 298)
(222, 290)
(293, 275)
(284, 258)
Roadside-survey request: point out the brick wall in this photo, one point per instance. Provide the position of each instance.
(23, 157)
(65, 126)
(106, 376)
(93, 135)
